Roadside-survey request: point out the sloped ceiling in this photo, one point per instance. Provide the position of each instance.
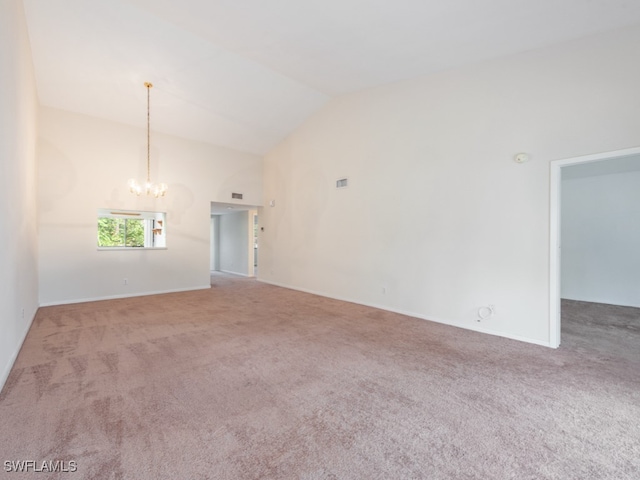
(245, 73)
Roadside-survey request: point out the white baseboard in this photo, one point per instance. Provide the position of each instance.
(416, 315)
(127, 295)
(236, 273)
(14, 356)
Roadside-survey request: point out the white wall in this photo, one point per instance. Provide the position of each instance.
(236, 231)
(84, 165)
(18, 240)
(437, 214)
(215, 243)
(601, 239)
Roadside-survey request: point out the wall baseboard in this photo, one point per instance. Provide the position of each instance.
(416, 315)
(236, 273)
(129, 295)
(12, 360)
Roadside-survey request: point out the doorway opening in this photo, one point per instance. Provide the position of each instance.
(255, 244)
(604, 163)
(233, 239)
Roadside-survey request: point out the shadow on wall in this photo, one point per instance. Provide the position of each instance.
(242, 181)
(56, 176)
(180, 199)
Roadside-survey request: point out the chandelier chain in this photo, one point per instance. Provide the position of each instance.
(148, 85)
(155, 189)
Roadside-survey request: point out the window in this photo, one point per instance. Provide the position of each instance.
(121, 229)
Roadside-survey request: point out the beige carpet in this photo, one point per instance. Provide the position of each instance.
(248, 381)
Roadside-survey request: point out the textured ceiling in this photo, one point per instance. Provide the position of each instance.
(245, 73)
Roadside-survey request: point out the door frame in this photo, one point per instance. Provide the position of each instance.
(554, 231)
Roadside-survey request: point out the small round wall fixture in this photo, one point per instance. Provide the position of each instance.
(521, 158)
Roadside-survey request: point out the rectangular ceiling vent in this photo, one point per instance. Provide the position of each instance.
(236, 195)
(342, 183)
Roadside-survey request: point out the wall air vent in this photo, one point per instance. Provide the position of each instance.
(342, 183)
(236, 195)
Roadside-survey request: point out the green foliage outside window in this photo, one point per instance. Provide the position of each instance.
(120, 232)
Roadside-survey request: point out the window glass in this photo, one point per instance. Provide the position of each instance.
(120, 229)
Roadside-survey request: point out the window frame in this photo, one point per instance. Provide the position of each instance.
(152, 239)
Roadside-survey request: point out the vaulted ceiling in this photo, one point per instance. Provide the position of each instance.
(245, 73)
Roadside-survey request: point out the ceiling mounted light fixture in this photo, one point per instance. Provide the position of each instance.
(155, 189)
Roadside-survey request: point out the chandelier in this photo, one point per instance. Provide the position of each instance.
(155, 189)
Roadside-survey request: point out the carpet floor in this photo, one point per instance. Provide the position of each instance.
(252, 381)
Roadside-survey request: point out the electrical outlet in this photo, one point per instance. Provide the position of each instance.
(125, 281)
(23, 313)
(384, 290)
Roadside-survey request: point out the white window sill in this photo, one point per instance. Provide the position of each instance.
(134, 249)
